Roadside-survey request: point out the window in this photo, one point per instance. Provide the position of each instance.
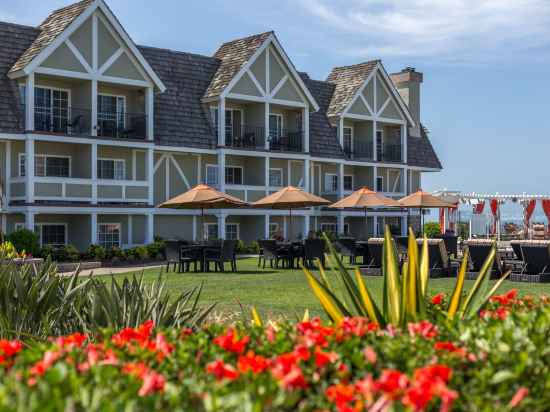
(273, 228)
(111, 169)
(276, 177)
(233, 175)
(348, 139)
(47, 166)
(380, 184)
(348, 182)
(232, 231)
(379, 144)
(52, 234)
(108, 235)
(111, 114)
(333, 228)
(211, 175)
(51, 109)
(211, 231)
(275, 126)
(331, 183)
(233, 126)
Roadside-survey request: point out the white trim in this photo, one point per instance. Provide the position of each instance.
(324, 188)
(100, 224)
(211, 166)
(180, 172)
(238, 229)
(78, 56)
(110, 61)
(389, 85)
(360, 92)
(278, 86)
(242, 175)
(255, 81)
(279, 169)
(95, 43)
(352, 183)
(114, 160)
(41, 225)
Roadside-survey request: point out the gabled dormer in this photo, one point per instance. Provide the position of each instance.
(83, 75)
(370, 114)
(257, 98)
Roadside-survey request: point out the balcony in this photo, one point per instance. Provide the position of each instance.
(390, 153)
(122, 125)
(244, 136)
(286, 140)
(359, 150)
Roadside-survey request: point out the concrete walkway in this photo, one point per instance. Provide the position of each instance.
(112, 271)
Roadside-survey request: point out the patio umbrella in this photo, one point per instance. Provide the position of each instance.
(290, 198)
(422, 200)
(203, 197)
(365, 198)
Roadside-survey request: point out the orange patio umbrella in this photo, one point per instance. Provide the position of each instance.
(290, 198)
(203, 197)
(365, 198)
(423, 200)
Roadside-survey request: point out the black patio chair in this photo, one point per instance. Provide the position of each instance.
(173, 254)
(190, 255)
(439, 263)
(479, 250)
(314, 249)
(273, 253)
(451, 244)
(536, 256)
(348, 247)
(375, 247)
(221, 255)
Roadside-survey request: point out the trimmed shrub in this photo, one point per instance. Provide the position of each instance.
(96, 252)
(25, 240)
(156, 249)
(432, 229)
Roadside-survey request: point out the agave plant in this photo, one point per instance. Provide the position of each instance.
(130, 302)
(404, 293)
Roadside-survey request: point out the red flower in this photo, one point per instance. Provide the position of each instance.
(449, 347)
(286, 370)
(137, 369)
(422, 328)
(505, 299)
(518, 397)
(76, 340)
(392, 383)
(253, 363)
(313, 333)
(222, 371)
(231, 343)
(370, 354)
(10, 348)
(358, 326)
(127, 335)
(341, 395)
(418, 397)
(324, 358)
(40, 367)
(438, 299)
(433, 372)
(152, 382)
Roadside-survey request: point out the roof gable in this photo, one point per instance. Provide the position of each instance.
(74, 32)
(261, 60)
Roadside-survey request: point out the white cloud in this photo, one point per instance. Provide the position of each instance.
(448, 30)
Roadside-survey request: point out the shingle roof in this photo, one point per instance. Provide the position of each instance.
(50, 28)
(421, 153)
(180, 117)
(347, 81)
(323, 137)
(15, 40)
(233, 56)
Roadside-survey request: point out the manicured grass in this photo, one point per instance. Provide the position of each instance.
(284, 292)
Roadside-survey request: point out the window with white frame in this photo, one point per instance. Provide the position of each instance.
(348, 182)
(275, 125)
(52, 234)
(348, 139)
(47, 166)
(211, 231)
(233, 175)
(51, 109)
(333, 228)
(331, 183)
(379, 144)
(108, 235)
(276, 177)
(111, 169)
(211, 175)
(380, 183)
(111, 114)
(273, 228)
(232, 231)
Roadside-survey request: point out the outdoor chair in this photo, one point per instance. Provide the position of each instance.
(272, 252)
(348, 247)
(375, 246)
(314, 249)
(516, 247)
(451, 244)
(479, 250)
(536, 257)
(190, 255)
(439, 263)
(221, 255)
(173, 255)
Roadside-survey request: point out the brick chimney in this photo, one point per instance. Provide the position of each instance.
(407, 83)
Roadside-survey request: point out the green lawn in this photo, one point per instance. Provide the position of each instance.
(283, 292)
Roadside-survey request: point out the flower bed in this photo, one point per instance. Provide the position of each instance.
(497, 361)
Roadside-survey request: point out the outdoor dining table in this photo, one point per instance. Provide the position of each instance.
(295, 250)
(199, 249)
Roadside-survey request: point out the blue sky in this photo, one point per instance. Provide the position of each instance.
(485, 64)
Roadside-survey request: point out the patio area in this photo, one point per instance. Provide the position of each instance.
(283, 292)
